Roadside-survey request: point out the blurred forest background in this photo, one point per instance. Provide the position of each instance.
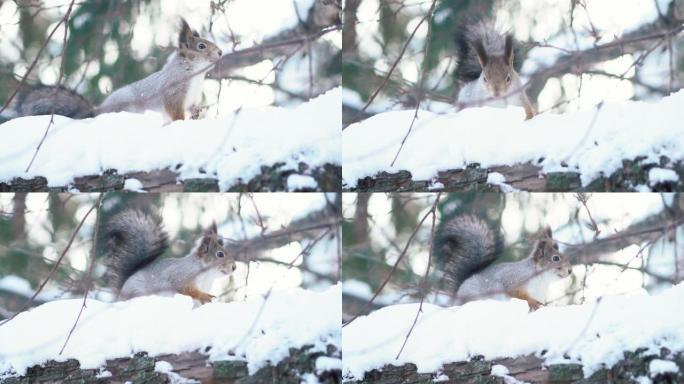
(113, 43)
(576, 53)
(635, 248)
(280, 240)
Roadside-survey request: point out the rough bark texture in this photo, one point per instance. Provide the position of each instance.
(272, 178)
(530, 369)
(525, 177)
(191, 365)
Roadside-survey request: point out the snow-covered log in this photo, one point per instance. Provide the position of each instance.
(628, 338)
(636, 146)
(286, 337)
(634, 367)
(257, 149)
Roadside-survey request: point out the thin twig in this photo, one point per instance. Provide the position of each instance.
(88, 279)
(424, 284)
(419, 94)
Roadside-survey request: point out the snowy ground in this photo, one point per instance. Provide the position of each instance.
(491, 136)
(249, 331)
(593, 334)
(228, 147)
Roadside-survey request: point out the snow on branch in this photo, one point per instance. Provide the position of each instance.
(594, 335)
(592, 143)
(259, 331)
(230, 148)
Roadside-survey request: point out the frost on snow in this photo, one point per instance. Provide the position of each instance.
(590, 142)
(232, 147)
(660, 175)
(592, 334)
(254, 331)
(658, 366)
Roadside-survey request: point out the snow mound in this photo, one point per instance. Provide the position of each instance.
(592, 334)
(229, 147)
(251, 331)
(590, 142)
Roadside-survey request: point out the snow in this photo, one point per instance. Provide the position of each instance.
(229, 147)
(498, 136)
(133, 185)
(297, 182)
(661, 175)
(166, 368)
(593, 334)
(22, 287)
(103, 374)
(499, 180)
(357, 288)
(325, 363)
(254, 331)
(658, 366)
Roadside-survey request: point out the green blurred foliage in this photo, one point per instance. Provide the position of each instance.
(93, 25)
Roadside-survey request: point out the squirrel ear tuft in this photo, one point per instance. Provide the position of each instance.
(508, 49)
(214, 230)
(538, 251)
(204, 245)
(481, 53)
(185, 35)
(548, 233)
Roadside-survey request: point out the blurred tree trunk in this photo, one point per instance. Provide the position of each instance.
(19, 217)
(360, 229)
(349, 47)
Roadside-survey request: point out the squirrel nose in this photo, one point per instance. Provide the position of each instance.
(220, 52)
(234, 267)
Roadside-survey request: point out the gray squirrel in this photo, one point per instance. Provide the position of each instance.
(131, 244)
(487, 67)
(466, 247)
(173, 90)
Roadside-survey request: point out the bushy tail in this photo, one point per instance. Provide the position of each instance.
(46, 100)
(471, 32)
(129, 241)
(463, 246)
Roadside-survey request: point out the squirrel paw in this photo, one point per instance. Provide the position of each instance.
(534, 304)
(204, 297)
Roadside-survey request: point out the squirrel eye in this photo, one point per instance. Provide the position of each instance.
(201, 46)
(220, 254)
(484, 78)
(555, 258)
(508, 79)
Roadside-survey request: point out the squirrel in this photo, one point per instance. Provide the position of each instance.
(132, 242)
(487, 67)
(466, 247)
(173, 90)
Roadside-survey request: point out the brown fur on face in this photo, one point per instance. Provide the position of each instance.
(191, 44)
(548, 257)
(212, 253)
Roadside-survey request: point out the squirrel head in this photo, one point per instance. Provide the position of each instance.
(212, 254)
(498, 73)
(547, 256)
(192, 46)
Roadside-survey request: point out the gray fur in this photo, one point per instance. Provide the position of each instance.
(46, 100)
(131, 240)
(172, 91)
(487, 67)
(463, 246)
(162, 276)
(483, 33)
